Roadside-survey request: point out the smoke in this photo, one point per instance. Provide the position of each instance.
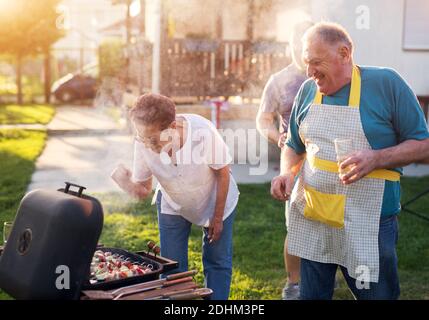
(286, 20)
(109, 94)
(331, 10)
(273, 20)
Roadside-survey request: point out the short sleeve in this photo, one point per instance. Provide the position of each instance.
(141, 171)
(293, 139)
(216, 151)
(409, 121)
(270, 101)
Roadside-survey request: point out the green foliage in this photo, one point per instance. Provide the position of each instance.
(258, 240)
(111, 58)
(28, 114)
(32, 87)
(258, 230)
(19, 150)
(28, 27)
(7, 86)
(259, 233)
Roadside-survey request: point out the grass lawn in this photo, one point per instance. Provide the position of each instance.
(26, 114)
(258, 231)
(258, 241)
(18, 151)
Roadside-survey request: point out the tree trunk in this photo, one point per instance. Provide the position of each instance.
(141, 57)
(250, 20)
(128, 44)
(19, 79)
(219, 25)
(47, 74)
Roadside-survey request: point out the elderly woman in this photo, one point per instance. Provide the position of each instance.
(190, 160)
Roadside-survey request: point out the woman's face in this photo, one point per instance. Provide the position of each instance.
(153, 136)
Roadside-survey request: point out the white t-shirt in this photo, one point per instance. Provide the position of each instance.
(189, 188)
(280, 91)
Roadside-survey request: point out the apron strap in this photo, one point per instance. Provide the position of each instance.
(354, 98)
(331, 166)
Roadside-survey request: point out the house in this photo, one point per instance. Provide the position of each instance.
(81, 21)
(214, 47)
(230, 47)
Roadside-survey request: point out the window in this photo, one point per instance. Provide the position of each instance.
(416, 25)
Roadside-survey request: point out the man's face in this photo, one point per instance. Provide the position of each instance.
(152, 136)
(326, 64)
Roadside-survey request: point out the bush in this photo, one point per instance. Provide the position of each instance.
(111, 58)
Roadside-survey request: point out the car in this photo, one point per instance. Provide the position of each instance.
(77, 86)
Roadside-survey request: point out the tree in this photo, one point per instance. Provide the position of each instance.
(112, 62)
(28, 27)
(128, 33)
(256, 8)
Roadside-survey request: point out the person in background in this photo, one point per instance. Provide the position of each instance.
(276, 103)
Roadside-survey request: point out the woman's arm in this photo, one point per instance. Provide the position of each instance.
(216, 223)
(139, 190)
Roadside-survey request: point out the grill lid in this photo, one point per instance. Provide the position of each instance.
(49, 250)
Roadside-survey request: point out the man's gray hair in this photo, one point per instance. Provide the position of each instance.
(330, 32)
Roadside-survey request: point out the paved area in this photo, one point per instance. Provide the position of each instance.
(83, 146)
(23, 126)
(81, 119)
(86, 160)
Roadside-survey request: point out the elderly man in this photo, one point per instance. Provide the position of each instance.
(277, 100)
(348, 219)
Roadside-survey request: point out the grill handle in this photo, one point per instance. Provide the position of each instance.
(69, 184)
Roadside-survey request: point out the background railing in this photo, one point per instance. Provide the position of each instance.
(202, 67)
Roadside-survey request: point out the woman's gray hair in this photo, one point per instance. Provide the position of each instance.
(154, 109)
(331, 33)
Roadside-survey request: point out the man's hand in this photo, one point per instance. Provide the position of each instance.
(122, 176)
(360, 163)
(282, 140)
(215, 229)
(281, 187)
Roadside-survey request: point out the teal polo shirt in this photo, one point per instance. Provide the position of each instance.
(390, 114)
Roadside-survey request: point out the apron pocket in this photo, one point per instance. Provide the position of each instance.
(324, 207)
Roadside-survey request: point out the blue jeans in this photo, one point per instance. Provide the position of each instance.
(318, 279)
(174, 233)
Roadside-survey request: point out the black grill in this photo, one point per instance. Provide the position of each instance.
(61, 228)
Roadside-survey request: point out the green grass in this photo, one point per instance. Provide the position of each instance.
(413, 245)
(18, 151)
(32, 86)
(258, 241)
(258, 231)
(26, 114)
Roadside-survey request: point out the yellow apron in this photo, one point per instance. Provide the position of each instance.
(330, 222)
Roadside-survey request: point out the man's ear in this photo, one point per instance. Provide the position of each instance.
(173, 125)
(345, 54)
